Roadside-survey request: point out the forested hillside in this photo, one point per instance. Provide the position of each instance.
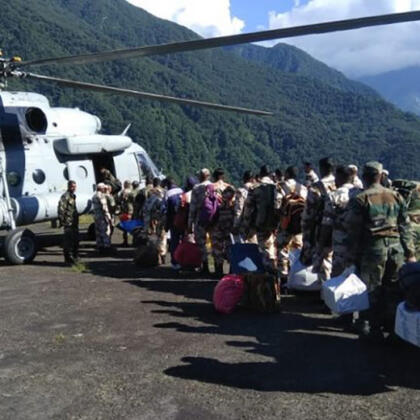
(317, 111)
(401, 87)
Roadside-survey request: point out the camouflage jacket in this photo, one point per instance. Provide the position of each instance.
(126, 201)
(225, 217)
(318, 195)
(261, 209)
(100, 206)
(240, 197)
(377, 212)
(67, 210)
(333, 229)
(198, 195)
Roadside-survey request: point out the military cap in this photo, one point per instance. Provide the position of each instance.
(373, 167)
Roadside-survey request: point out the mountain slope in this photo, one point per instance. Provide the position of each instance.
(287, 58)
(401, 87)
(313, 117)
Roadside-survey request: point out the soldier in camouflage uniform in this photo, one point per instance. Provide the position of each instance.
(379, 237)
(410, 190)
(198, 195)
(261, 215)
(220, 233)
(333, 232)
(414, 215)
(154, 214)
(288, 190)
(69, 219)
(126, 204)
(318, 194)
(240, 199)
(103, 219)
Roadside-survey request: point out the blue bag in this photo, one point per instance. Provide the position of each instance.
(245, 258)
(129, 225)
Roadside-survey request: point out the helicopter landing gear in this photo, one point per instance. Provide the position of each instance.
(20, 246)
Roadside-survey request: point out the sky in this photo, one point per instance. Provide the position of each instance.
(357, 53)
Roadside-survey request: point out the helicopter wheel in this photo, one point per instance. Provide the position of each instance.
(91, 232)
(20, 246)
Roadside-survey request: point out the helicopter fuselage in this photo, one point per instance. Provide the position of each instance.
(42, 147)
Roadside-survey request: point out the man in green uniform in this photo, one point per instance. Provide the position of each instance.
(414, 215)
(379, 237)
(69, 219)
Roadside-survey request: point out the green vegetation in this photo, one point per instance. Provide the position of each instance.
(318, 111)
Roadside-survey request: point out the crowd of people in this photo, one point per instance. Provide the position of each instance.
(334, 218)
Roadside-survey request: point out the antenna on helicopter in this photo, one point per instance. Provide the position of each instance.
(124, 133)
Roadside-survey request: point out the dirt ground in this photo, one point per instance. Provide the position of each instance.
(118, 342)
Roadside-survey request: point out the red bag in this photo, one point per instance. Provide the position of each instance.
(124, 217)
(228, 292)
(188, 255)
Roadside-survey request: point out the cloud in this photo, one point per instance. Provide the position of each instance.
(359, 52)
(207, 18)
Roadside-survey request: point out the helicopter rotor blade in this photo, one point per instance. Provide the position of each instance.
(139, 94)
(199, 44)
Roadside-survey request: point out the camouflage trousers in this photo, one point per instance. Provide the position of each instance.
(322, 263)
(102, 232)
(70, 242)
(267, 243)
(286, 242)
(220, 244)
(200, 237)
(379, 268)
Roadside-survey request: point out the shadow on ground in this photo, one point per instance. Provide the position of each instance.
(307, 353)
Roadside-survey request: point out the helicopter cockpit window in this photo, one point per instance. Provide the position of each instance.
(13, 178)
(148, 168)
(36, 120)
(38, 175)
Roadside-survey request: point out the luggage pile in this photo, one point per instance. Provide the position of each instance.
(248, 285)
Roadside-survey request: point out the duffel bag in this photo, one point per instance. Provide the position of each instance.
(227, 293)
(188, 254)
(146, 255)
(260, 292)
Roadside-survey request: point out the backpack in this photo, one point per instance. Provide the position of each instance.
(291, 220)
(181, 215)
(265, 218)
(208, 212)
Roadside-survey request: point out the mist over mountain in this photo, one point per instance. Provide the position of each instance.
(318, 112)
(400, 87)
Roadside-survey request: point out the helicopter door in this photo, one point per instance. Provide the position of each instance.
(83, 173)
(102, 161)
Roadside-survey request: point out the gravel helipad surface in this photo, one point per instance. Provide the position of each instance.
(118, 342)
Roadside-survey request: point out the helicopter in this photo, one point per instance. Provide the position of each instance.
(42, 147)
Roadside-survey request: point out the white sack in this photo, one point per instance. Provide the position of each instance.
(302, 277)
(345, 294)
(407, 324)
